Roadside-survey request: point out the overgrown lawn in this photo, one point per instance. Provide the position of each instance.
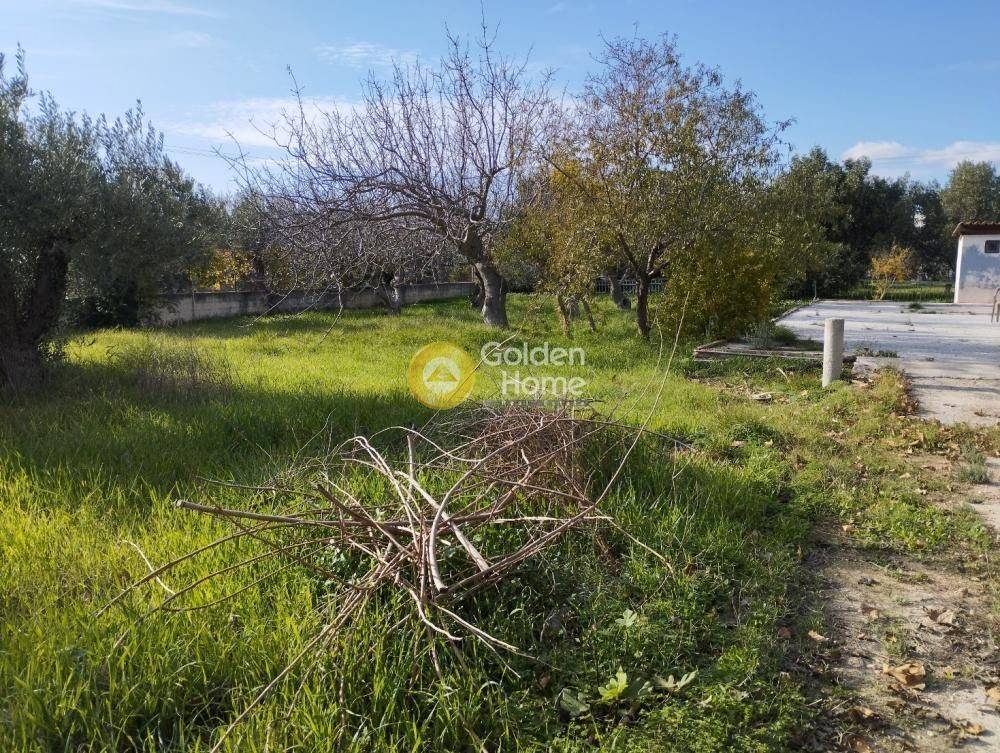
(91, 466)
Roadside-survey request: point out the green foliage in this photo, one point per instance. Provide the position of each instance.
(614, 688)
(910, 291)
(972, 469)
(156, 226)
(162, 368)
(672, 685)
(765, 334)
(684, 206)
(573, 702)
(627, 620)
(89, 209)
(972, 193)
(851, 214)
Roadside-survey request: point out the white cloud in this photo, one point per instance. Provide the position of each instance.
(148, 6)
(892, 159)
(364, 55)
(251, 121)
(877, 150)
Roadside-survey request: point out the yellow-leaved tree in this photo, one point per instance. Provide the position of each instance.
(892, 266)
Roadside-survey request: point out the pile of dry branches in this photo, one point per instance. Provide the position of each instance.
(453, 509)
(411, 525)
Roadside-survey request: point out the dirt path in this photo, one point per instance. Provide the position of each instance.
(909, 662)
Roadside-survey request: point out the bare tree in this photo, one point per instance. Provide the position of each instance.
(319, 248)
(434, 151)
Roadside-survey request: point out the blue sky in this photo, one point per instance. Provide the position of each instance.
(915, 85)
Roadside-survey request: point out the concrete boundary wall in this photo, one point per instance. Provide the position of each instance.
(189, 307)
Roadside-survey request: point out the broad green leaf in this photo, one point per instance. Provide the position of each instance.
(628, 619)
(573, 702)
(615, 687)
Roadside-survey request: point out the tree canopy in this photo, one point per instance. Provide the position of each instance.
(88, 208)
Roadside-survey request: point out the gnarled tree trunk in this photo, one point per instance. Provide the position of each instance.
(476, 299)
(590, 314)
(642, 305)
(390, 293)
(494, 307)
(494, 287)
(23, 331)
(617, 293)
(565, 317)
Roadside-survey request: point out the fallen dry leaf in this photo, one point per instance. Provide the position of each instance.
(870, 612)
(862, 714)
(993, 693)
(858, 744)
(784, 632)
(817, 637)
(967, 727)
(941, 616)
(910, 674)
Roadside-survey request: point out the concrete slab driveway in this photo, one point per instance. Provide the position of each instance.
(951, 352)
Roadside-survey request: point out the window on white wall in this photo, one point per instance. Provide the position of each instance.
(992, 247)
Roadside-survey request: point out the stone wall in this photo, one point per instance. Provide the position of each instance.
(189, 307)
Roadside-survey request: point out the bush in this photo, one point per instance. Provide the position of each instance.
(889, 268)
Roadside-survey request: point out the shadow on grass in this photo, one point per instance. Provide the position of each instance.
(95, 421)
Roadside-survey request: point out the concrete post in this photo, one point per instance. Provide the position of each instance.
(833, 350)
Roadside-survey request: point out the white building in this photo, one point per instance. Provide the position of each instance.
(977, 273)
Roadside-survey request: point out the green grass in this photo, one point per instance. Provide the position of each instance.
(917, 292)
(90, 468)
(972, 468)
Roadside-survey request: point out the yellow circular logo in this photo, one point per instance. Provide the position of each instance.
(441, 375)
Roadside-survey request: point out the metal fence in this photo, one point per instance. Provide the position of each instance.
(603, 285)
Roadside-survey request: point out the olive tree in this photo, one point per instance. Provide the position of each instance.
(48, 185)
(85, 205)
(551, 233)
(155, 225)
(973, 192)
(668, 162)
